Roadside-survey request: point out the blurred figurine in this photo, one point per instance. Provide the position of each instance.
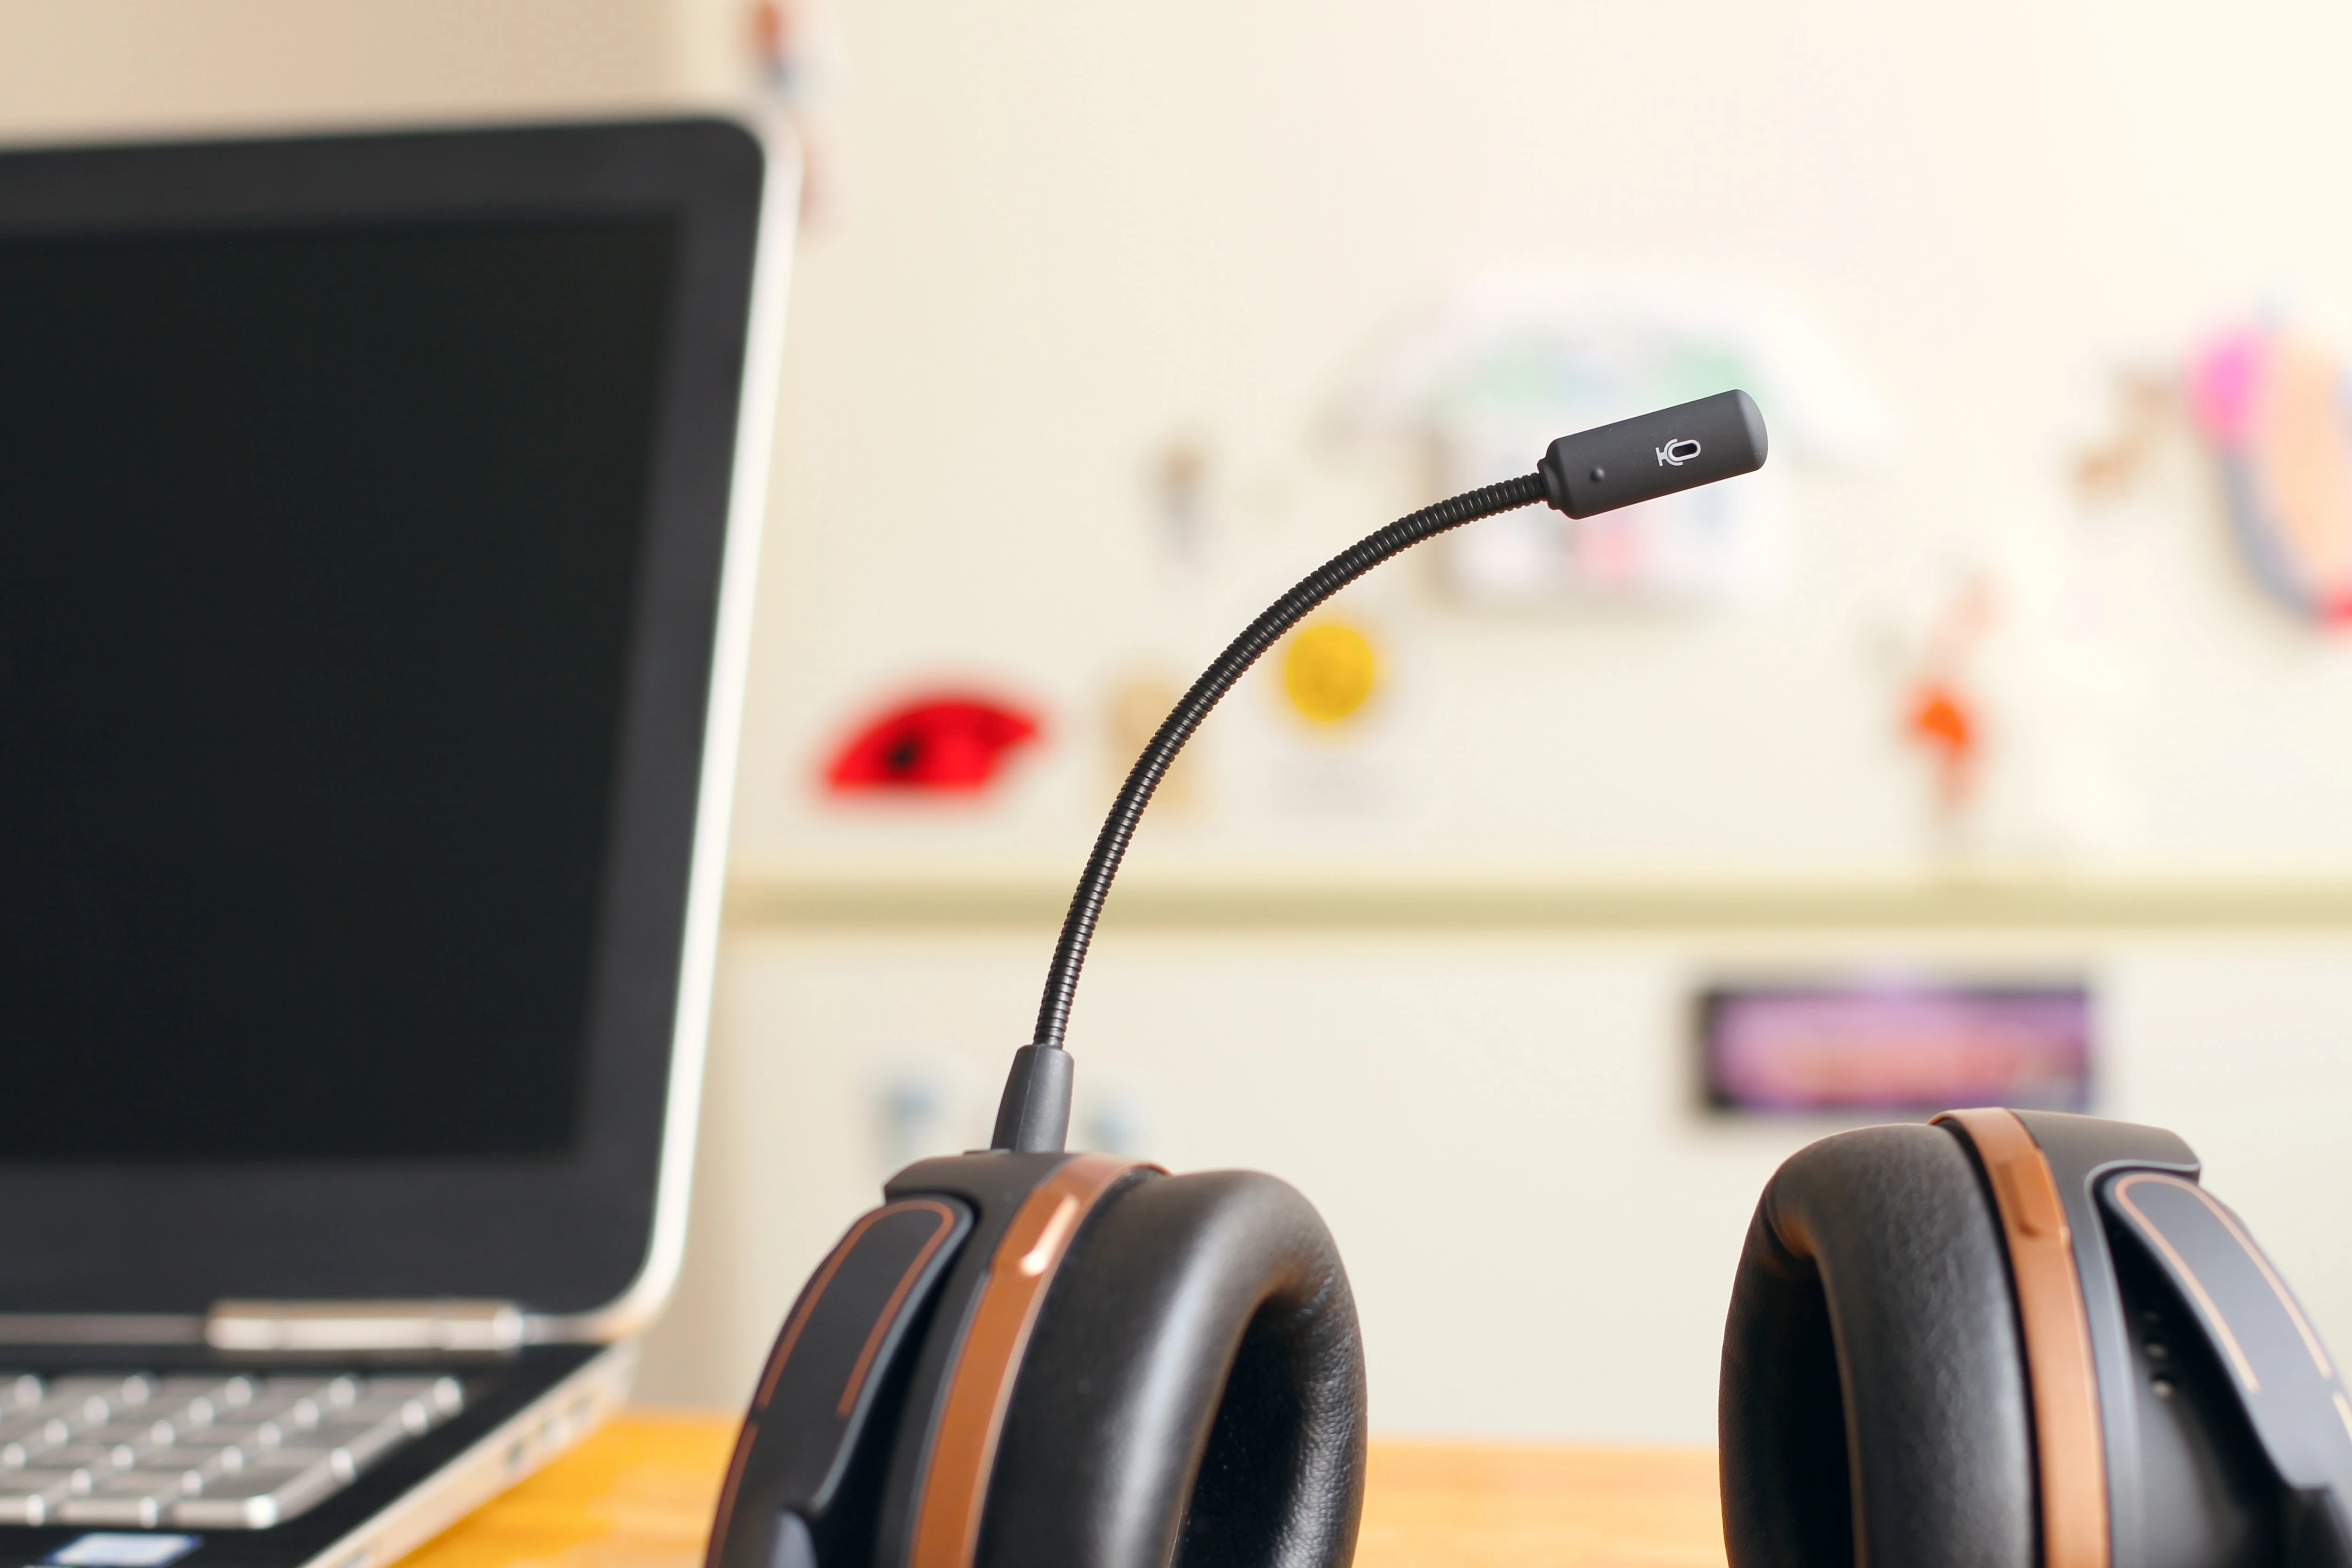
(1135, 707)
(1942, 719)
(1939, 712)
(2145, 406)
(1180, 488)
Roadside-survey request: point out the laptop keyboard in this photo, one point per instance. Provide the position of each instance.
(211, 1452)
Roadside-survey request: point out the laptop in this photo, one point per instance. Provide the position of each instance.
(377, 516)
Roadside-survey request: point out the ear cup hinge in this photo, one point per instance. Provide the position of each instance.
(821, 1386)
(2290, 1391)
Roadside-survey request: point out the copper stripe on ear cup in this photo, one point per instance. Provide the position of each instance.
(963, 1454)
(2069, 1447)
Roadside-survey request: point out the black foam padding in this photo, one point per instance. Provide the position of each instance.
(1873, 1405)
(1194, 1392)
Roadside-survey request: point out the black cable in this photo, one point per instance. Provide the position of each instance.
(1110, 844)
(1590, 472)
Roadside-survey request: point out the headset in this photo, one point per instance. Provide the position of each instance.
(2001, 1339)
(2017, 1337)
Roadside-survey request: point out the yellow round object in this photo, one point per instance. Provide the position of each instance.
(1330, 671)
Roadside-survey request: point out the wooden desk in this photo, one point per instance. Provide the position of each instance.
(638, 1494)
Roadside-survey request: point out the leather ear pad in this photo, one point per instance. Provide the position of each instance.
(1874, 1404)
(1193, 1390)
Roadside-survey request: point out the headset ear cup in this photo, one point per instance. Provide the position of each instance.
(1874, 1404)
(1193, 1391)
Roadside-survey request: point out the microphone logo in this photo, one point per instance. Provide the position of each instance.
(1675, 454)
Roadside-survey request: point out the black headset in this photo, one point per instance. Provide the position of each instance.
(2005, 1338)
(2019, 1337)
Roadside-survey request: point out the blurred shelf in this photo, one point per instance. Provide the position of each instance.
(1321, 902)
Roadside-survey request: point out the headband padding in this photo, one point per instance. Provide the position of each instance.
(1873, 1405)
(1193, 1391)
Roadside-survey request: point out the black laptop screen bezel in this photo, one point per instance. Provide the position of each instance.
(562, 1233)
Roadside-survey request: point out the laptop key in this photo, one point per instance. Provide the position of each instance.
(265, 1435)
(301, 1459)
(127, 1497)
(196, 1401)
(361, 1442)
(20, 1441)
(282, 1428)
(97, 1392)
(127, 1434)
(75, 1401)
(193, 1465)
(415, 1415)
(291, 1415)
(444, 1396)
(219, 1396)
(19, 1388)
(189, 1415)
(27, 1496)
(257, 1498)
(328, 1393)
(86, 1456)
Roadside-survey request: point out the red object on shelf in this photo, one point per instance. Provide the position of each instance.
(944, 744)
(1943, 719)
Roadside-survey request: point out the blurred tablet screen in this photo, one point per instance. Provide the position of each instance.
(1912, 1045)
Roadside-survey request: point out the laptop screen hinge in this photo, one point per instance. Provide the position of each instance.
(442, 1327)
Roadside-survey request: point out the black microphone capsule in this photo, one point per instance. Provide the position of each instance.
(1655, 454)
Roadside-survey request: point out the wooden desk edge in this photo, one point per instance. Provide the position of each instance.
(638, 1494)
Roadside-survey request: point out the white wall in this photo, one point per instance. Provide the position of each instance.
(1075, 231)
(120, 68)
(1501, 1129)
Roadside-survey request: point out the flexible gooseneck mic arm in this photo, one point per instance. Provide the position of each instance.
(1035, 1111)
(1596, 471)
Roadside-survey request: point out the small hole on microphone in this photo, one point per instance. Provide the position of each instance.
(2162, 1388)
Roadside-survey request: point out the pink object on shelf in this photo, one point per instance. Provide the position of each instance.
(2222, 385)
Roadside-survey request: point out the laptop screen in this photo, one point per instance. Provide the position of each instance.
(317, 563)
